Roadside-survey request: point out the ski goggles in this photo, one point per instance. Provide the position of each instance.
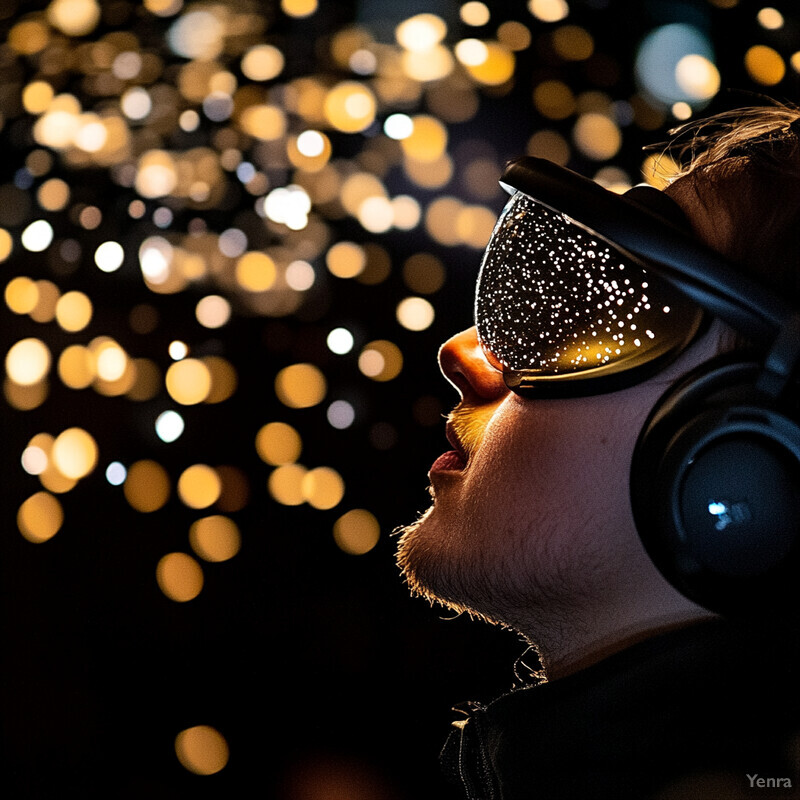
(583, 291)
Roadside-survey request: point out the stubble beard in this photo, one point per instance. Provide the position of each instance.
(501, 588)
(421, 569)
(441, 573)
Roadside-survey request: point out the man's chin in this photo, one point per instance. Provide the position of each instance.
(423, 565)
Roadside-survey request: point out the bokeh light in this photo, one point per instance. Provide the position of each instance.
(147, 486)
(28, 361)
(278, 443)
(169, 426)
(40, 517)
(676, 63)
(322, 487)
(188, 381)
(180, 577)
(300, 386)
(75, 453)
(356, 532)
(199, 486)
(215, 538)
(202, 750)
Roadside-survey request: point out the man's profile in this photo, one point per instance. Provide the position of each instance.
(590, 480)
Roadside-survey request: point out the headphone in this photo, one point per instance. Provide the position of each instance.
(715, 490)
(715, 475)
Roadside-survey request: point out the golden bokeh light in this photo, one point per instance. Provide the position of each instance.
(262, 62)
(421, 32)
(770, 18)
(698, 77)
(28, 37)
(40, 517)
(597, 136)
(74, 17)
(346, 259)
(424, 66)
(76, 367)
(157, 174)
(265, 122)
(514, 35)
(496, 68)
(74, 311)
(441, 220)
(110, 360)
(199, 486)
(765, 65)
(180, 577)
(74, 453)
(213, 311)
(415, 313)
(202, 749)
(278, 443)
(549, 144)
(215, 538)
(256, 272)
(573, 43)
(28, 361)
(554, 99)
(147, 486)
(188, 381)
(21, 295)
(37, 96)
(548, 10)
(474, 13)
(350, 107)
(300, 386)
(285, 484)
(427, 140)
(299, 8)
(356, 532)
(381, 360)
(322, 488)
(474, 225)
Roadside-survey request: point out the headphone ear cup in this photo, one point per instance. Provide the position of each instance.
(715, 491)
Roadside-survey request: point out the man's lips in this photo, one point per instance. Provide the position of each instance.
(455, 459)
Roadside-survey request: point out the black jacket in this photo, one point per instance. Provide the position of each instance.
(709, 712)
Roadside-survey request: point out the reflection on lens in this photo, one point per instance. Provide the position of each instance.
(554, 300)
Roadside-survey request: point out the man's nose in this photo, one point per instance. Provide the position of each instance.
(463, 363)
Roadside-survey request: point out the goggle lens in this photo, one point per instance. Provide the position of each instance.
(554, 302)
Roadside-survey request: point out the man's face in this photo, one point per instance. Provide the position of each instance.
(531, 521)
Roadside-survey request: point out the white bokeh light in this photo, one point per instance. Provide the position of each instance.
(169, 426)
(340, 341)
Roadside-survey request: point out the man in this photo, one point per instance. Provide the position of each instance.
(653, 684)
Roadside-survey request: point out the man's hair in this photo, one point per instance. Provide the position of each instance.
(744, 166)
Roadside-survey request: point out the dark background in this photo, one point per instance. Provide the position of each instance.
(324, 677)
